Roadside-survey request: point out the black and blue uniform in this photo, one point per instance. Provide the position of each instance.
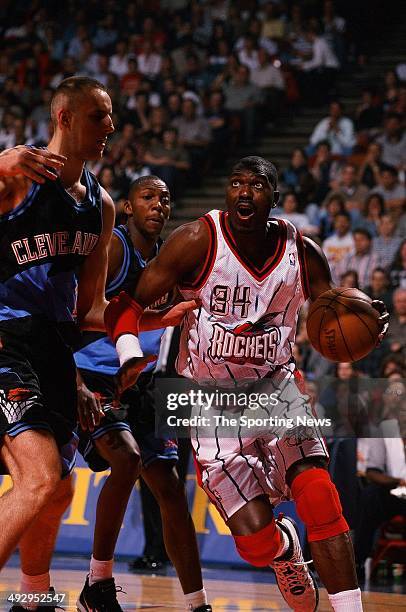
(43, 242)
(98, 363)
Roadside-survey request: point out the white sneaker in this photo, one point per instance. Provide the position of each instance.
(294, 579)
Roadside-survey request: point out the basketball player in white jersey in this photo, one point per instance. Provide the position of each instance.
(251, 276)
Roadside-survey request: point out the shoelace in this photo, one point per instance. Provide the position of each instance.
(290, 577)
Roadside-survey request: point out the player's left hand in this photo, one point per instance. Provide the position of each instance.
(174, 315)
(90, 410)
(383, 319)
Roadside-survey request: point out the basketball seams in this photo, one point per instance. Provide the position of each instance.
(360, 318)
(343, 336)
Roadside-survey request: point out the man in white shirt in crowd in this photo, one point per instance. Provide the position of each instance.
(317, 74)
(385, 472)
(336, 129)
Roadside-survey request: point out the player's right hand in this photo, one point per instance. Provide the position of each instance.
(129, 372)
(35, 164)
(90, 411)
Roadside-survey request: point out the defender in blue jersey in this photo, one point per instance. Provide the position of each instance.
(123, 436)
(55, 225)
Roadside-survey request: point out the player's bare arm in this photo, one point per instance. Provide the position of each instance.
(318, 269)
(180, 259)
(151, 319)
(91, 301)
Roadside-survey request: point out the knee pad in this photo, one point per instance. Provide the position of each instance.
(318, 504)
(259, 548)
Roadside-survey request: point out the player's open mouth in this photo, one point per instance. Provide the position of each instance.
(245, 210)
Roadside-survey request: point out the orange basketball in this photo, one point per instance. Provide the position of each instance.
(342, 325)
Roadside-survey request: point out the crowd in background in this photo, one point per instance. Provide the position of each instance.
(189, 82)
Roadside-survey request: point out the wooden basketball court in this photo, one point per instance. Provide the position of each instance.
(163, 594)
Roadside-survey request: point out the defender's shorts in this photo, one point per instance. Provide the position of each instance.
(137, 416)
(234, 470)
(38, 383)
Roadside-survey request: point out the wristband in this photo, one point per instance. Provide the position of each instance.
(122, 316)
(127, 347)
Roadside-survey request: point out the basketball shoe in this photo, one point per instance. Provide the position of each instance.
(294, 579)
(99, 597)
(205, 608)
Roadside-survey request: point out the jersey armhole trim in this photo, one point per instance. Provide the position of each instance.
(304, 276)
(120, 276)
(210, 257)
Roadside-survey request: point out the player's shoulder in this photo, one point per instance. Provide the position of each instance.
(191, 232)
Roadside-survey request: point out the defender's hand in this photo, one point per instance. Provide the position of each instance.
(383, 319)
(129, 372)
(90, 410)
(35, 164)
(174, 316)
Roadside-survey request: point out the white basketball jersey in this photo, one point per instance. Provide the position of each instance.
(246, 324)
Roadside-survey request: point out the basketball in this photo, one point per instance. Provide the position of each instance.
(342, 325)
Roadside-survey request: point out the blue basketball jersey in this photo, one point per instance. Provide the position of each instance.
(43, 242)
(98, 353)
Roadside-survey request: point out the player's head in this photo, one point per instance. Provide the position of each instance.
(149, 205)
(251, 193)
(81, 116)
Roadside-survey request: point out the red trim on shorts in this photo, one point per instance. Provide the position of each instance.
(198, 468)
(210, 257)
(304, 275)
(258, 273)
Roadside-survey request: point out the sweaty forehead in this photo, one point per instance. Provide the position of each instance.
(153, 184)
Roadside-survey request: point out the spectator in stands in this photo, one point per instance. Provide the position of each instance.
(149, 61)
(386, 244)
(336, 129)
(398, 267)
(270, 81)
(131, 80)
(390, 188)
(108, 179)
(324, 169)
(218, 118)
(195, 135)
(242, 100)
(103, 73)
(373, 209)
(396, 336)
(119, 61)
(363, 259)
(334, 28)
(371, 167)
(168, 160)
(298, 178)
(339, 244)
(393, 142)
(369, 114)
(386, 470)
(349, 279)
(273, 26)
(157, 124)
(317, 75)
(334, 205)
(248, 54)
(379, 287)
(289, 211)
(350, 188)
